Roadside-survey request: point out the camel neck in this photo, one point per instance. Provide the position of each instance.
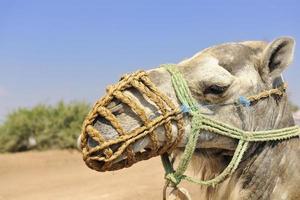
(265, 162)
(265, 170)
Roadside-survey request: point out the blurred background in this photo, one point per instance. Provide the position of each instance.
(56, 58)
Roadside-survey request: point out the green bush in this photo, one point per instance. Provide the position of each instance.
(43, 127)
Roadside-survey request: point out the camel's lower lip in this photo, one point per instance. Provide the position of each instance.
(215, 151)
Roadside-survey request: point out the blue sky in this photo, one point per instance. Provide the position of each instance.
(70, 50)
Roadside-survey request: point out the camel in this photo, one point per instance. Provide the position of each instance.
(218, 75)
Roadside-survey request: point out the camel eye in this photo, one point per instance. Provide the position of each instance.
(215, 89)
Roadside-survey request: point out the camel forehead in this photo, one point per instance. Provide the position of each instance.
(231, 56)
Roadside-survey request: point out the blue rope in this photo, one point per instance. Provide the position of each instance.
(244, 101)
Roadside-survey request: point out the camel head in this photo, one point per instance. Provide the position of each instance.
(216, 77)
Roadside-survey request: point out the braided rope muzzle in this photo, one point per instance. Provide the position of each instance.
(104, 156)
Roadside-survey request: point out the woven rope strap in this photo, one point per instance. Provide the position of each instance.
(201, 122)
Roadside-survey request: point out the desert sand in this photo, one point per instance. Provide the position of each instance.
(62, 175)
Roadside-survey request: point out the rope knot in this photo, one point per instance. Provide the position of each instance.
(247, 135)
(173, 178)
(197, 120)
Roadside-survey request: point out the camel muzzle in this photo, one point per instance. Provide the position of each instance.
(104, 153)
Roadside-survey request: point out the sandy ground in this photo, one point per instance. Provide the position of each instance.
(62, 175)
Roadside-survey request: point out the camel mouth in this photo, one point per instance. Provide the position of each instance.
(207, 141)
(214, 151)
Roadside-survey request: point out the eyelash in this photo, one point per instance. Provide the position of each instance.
(215, 89)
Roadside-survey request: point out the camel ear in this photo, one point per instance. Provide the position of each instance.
(276, 57)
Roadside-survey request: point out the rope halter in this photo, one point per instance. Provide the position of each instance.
(202, 122)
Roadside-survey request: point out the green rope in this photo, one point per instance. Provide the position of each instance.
(201, 122)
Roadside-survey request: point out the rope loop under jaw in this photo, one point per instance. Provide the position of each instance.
(200, 122)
